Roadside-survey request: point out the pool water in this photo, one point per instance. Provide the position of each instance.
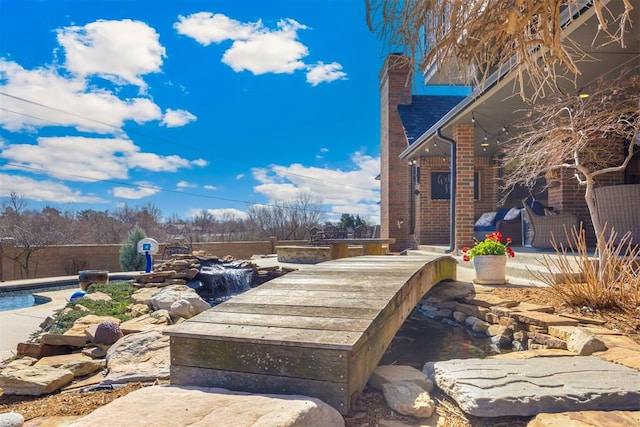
(14, 302)
(422, 340)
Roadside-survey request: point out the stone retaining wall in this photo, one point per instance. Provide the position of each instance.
(310, 254)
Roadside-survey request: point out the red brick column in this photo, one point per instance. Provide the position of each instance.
(395, 173)
(464, 203)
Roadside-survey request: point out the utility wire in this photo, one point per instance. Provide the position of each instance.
(120, 129)
(160, 189)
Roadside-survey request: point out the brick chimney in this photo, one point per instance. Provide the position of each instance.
(395, 174)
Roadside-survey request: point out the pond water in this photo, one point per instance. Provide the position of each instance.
(14, 302)
(422, 340)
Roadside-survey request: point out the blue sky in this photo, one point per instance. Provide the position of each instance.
(189, 105)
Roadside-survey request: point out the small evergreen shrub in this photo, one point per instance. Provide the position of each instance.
(130, 259)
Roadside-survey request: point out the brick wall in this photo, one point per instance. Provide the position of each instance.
(66, 260)
(395, 174)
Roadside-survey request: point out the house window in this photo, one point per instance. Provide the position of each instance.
(441, 185)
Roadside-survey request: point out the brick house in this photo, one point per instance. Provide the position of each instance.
(423, 138)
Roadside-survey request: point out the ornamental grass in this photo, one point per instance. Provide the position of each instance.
(584, 283)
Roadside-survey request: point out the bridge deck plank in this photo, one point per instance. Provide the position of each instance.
(318, 331)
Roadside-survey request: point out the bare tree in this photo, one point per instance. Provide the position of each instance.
(457, 35)
(30, 231)
(288, 219)
(590, 137)
(98, 227)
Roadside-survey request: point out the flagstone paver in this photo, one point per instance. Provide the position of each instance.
(511, 387)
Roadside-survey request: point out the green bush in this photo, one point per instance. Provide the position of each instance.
(120, 292)
(130, 259)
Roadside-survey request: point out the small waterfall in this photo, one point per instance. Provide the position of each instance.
(219, 281)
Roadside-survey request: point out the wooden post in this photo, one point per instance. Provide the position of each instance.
(373, 249)
(339, 250)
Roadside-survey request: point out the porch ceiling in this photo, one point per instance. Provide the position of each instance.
(501, 105)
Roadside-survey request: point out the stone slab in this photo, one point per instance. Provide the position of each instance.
(545, 320)
(191, 406)
(511, 387)
(587, 419)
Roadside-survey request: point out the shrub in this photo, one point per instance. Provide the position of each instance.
(120, 292)
(130, 259)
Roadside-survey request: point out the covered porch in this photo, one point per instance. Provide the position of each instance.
(450, 166)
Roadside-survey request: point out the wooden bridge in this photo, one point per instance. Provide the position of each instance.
(318, 331)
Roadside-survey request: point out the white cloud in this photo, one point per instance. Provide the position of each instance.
(34, 92)
(324, 150)
(256, 48)
(359, 196)
(78, 158)
(269, 52)
(143, 189)
(120, 51)
(207, 28)
(46, 191)
(210, 187)
(239, 176)
(200, 162)
(325, 73)
(185, 184)
(176, 118)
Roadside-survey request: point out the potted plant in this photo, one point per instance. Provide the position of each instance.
(489, 258)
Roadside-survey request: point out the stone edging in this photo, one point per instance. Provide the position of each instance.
(529, 329)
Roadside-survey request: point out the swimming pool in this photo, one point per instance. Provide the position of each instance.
(16, 301)
(16, 296)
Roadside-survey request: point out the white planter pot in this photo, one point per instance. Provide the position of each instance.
(490, 269)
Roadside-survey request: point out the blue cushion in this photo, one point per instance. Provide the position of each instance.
(487, 228)
(500, 215)
(536, 207)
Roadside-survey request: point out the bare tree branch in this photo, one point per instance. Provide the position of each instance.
(489, 35)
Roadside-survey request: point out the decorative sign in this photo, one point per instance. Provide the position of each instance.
(148, 245)
(441, 185)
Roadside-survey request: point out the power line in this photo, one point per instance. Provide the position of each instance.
(160, 189)
(169, 142)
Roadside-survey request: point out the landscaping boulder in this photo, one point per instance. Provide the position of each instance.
(34, 380)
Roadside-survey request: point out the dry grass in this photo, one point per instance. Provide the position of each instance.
(609, 279)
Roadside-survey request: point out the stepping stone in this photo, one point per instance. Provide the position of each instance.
(191, 406)
(513, 387)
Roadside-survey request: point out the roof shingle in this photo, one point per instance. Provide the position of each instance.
(423, 112)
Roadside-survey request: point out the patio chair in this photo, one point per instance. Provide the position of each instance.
(331, 232)
(360, 232)
(618, 207)
(546, 228)
(175, 249)
(315, 235)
